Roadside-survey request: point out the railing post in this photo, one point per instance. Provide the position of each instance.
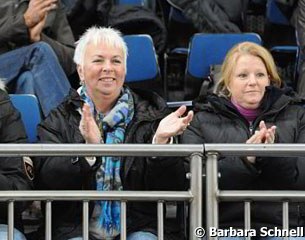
(48, 233)
(247, 210)
(160, 220)
(211, 193)
(285, 217)
(10, 220)
(123, 220)
(85, 220)
(196, 190)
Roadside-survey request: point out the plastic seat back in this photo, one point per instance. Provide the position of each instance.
(206, 50)
(142, 61)
(142, 64)
(28, 107)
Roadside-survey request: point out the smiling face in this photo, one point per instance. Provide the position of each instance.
(103, 71)
(248, 81)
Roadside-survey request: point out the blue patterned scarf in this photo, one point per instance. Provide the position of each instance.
(112, 127)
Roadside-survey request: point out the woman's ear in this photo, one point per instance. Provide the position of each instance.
(80, 73)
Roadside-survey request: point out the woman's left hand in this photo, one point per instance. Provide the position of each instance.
(269, 136)
(172, 125)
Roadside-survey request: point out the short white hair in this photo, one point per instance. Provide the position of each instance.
(107, 35)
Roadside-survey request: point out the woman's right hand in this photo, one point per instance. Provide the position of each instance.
(263, 135)
(88, 126)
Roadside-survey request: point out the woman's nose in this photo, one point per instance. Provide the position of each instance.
(252, 79)
(107, 66)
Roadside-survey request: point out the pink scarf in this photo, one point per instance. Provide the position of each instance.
(249, 114)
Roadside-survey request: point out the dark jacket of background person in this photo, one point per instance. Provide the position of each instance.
(83, 14)
(13, 173)
(218, 121)
(213, 15)
(57, 32)
(73, 173)
(299, 17)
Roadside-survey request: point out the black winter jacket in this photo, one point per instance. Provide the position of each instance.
(299, 17)
(15, 173)
(73, 173)
(218, 121)
(219, 16)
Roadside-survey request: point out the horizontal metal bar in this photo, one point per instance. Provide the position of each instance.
(256, 149)
(270, 196)
(179, 103)
(96, 195)
(181, 150)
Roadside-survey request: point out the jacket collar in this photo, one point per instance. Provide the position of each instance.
(274, 98)
(74, 99)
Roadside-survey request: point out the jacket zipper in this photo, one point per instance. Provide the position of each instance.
(251, 128)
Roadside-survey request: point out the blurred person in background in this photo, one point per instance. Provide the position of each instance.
(16, 173)
(36, 50)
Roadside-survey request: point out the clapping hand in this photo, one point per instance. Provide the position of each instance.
(88, 126)
(263, 135)
(35, 16)
(173, 124)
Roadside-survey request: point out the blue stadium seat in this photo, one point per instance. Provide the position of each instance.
(28, 107)
(142, 63)
(206, 50)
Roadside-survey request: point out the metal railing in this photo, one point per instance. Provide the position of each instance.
(214, 195)
(195, 152)
(194, 195)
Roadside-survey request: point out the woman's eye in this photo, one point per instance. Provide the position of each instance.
(261, 75)
(117, 61)
(242, 75)
(97, 60)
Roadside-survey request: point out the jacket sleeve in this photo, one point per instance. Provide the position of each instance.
(12, 131)
(286, 172)
(12, 25)
(300, 161)
(16, 173)
(300, 30)
(164, 173)
(59, 173)
(209, 16)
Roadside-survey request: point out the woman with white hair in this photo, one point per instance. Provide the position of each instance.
(105, 111)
